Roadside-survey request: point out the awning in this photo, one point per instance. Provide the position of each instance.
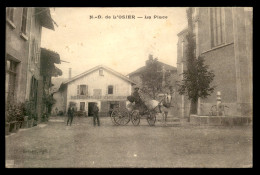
(48, 58)
(45, 17)
(48, 54)
(57, 72)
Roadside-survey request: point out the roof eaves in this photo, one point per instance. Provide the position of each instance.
(97, 67)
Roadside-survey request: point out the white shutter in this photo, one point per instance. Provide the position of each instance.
(78, 90)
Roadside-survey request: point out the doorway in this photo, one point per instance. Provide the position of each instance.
(90, 108)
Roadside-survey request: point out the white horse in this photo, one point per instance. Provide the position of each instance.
(163, 103)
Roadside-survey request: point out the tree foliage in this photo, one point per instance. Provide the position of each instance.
(152, 78)
(197, 81)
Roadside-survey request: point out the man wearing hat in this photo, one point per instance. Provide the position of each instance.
(137, 96)
(95, 114)
(70, 114)
(139, 104)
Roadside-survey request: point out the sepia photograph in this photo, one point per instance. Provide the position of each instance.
(129, 87)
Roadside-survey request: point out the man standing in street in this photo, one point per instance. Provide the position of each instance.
(95, 114)
(70, 115)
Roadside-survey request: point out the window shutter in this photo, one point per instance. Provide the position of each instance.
(36, 52)
(107, 90)
(78, 90)
(115, 90)
(86, 89)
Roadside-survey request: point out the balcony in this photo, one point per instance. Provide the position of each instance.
(105, 97)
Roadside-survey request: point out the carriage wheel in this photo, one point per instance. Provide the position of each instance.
(113, 116)
(151, 119)
(120, 117)
(135, 118)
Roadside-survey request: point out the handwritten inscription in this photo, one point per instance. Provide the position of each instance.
(127, 17)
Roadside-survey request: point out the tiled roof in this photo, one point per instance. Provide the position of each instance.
(166, 66)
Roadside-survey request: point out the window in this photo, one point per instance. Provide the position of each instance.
(217, 26)
(101, 72)
(82, 106)
(110, 89)
(24, 20)
(35, 52)
(82, 90)
(10, 13)
(10, 77)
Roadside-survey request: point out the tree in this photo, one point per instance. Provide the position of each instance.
(152, 78)
(197, 83)
(197, 78)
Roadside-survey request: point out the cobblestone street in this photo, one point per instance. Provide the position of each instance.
(81, 145)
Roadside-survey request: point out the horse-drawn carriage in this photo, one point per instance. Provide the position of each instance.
(135, 111)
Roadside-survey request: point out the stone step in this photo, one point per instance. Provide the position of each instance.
(170, 120)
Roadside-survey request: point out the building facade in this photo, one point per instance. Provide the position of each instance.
(24, 80)
(17, 51)
(100, 85)
(224, 38)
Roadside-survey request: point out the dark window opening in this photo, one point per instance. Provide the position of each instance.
(110, 89)
(24, 20)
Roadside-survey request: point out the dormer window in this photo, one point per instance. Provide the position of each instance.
(101, 72)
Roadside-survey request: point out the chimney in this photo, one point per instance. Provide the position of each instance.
(69, 73)
(149, 58)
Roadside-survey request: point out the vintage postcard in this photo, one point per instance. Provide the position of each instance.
(128, 87)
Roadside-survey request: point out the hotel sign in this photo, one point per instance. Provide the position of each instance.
(105, 97)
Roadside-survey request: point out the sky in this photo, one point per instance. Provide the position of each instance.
(120, 44)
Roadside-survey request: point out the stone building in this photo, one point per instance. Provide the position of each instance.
(224, 37)
(24, 80)
(100, 85)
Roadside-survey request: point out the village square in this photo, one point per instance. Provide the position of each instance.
(124, 93)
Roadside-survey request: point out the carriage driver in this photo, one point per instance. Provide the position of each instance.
(136, 96)
(139, 104)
